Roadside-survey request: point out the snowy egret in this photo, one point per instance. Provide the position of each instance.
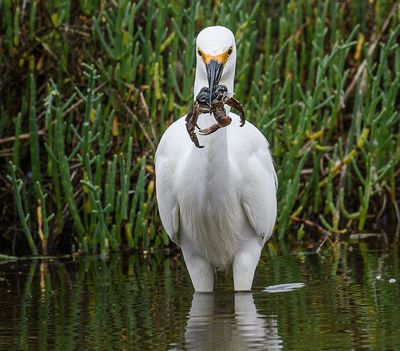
(217, 203)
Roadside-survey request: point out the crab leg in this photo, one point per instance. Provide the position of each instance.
(191, 122)
(238, 107)
(223, 122)
(210, 130)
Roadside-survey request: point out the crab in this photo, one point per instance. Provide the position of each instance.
(219, 98)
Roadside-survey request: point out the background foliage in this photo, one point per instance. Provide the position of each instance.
(88, 87)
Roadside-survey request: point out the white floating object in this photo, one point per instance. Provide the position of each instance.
(361, 236)
(392, 280)
(283, 287)
(378, 277)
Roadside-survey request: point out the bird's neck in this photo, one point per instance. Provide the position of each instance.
(214, 157)
(216, 145)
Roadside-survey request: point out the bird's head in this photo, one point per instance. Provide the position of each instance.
(216, 56)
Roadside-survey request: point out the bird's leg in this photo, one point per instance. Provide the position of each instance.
(245, 263)
(232, 102)
(200, 270)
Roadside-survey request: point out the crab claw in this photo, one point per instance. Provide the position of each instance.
(203, 96)
(232, 102)
(219, 92)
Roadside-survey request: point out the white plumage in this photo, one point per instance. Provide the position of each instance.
(218, 203)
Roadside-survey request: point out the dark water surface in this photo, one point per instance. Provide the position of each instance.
(348, 302)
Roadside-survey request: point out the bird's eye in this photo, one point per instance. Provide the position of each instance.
(230, 50)
(199, 52)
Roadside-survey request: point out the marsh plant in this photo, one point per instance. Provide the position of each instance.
(88, 87)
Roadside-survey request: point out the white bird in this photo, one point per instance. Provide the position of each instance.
(217, 203)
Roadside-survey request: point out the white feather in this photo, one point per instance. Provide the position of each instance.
(218, 203)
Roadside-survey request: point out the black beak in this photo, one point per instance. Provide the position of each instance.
(214, 73)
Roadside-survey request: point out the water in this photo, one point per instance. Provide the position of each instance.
(131, 303)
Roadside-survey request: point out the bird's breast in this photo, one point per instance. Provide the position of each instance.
(211, 215)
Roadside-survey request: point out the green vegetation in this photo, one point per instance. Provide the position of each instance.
(88, 87)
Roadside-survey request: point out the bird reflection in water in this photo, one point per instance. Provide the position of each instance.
(229, 322)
